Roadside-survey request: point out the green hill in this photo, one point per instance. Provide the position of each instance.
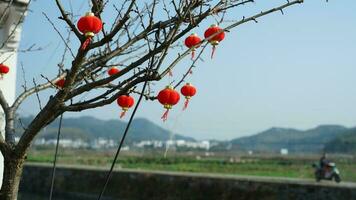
(345, 143)
(89, 128)
(294, 140)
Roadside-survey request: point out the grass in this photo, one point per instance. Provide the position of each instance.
(291, 167)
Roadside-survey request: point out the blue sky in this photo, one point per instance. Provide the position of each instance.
(294, 70)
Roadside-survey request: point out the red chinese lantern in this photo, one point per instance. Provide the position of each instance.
(188, 90)
(125, 102)
(168, 97)
(89, 25)
(218, 33)
(113, 71)
(192, 41)
(60, 83)
(3, 70)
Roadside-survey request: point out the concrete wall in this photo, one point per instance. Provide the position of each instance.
(85, 183)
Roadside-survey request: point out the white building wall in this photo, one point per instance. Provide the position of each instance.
(8, 55)
(8, 87)
(8, 83)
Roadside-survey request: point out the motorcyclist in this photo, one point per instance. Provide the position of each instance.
(323, 162)
(326, 170)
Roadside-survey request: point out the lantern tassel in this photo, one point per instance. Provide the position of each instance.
(122, 114)
(165, 115)
(193, 54)
(186, 104)
(213, 51)
(86, 43)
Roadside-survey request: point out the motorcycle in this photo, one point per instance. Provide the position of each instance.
(327, 172)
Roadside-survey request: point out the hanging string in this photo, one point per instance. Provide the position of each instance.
(55, 158)
(122, 141)
(171, 133)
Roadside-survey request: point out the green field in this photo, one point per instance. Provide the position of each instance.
(277, 166)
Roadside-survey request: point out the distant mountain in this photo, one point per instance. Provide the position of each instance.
(333, 138)
(294, 140)
(89, 128)
(344, 143)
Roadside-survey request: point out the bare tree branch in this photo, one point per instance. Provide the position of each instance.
(153, 38)
(68, 21)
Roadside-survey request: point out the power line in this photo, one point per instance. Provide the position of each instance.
(122, 141)
(55, 158)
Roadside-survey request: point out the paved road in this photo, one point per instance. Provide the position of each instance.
(297, 181)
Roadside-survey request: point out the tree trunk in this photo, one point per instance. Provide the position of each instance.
(11, 178)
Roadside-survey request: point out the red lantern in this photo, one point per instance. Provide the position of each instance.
(125, 102)
(193, 42)
(60, 83)
(188, 90)
(218, 33)
(89, 25)
(168, 97)
(3, 70)
(113, 71)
